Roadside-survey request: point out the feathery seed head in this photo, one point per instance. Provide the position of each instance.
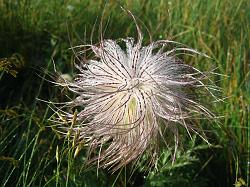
(130, 95)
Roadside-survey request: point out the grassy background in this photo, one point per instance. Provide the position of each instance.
(35, 32)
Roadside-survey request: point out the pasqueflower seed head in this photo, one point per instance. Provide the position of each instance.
(130, 94)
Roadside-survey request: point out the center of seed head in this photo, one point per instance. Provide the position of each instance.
(133, 83)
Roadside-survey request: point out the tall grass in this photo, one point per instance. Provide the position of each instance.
(33, 154)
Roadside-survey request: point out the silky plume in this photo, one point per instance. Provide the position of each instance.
(130, 95)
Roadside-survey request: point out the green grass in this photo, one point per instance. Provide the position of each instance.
(35, 33)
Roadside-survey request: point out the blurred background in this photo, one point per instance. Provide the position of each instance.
(35, 35)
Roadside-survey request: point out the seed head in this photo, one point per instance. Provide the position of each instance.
(131, 95)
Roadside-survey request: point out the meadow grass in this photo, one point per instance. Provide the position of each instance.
(35, 34)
